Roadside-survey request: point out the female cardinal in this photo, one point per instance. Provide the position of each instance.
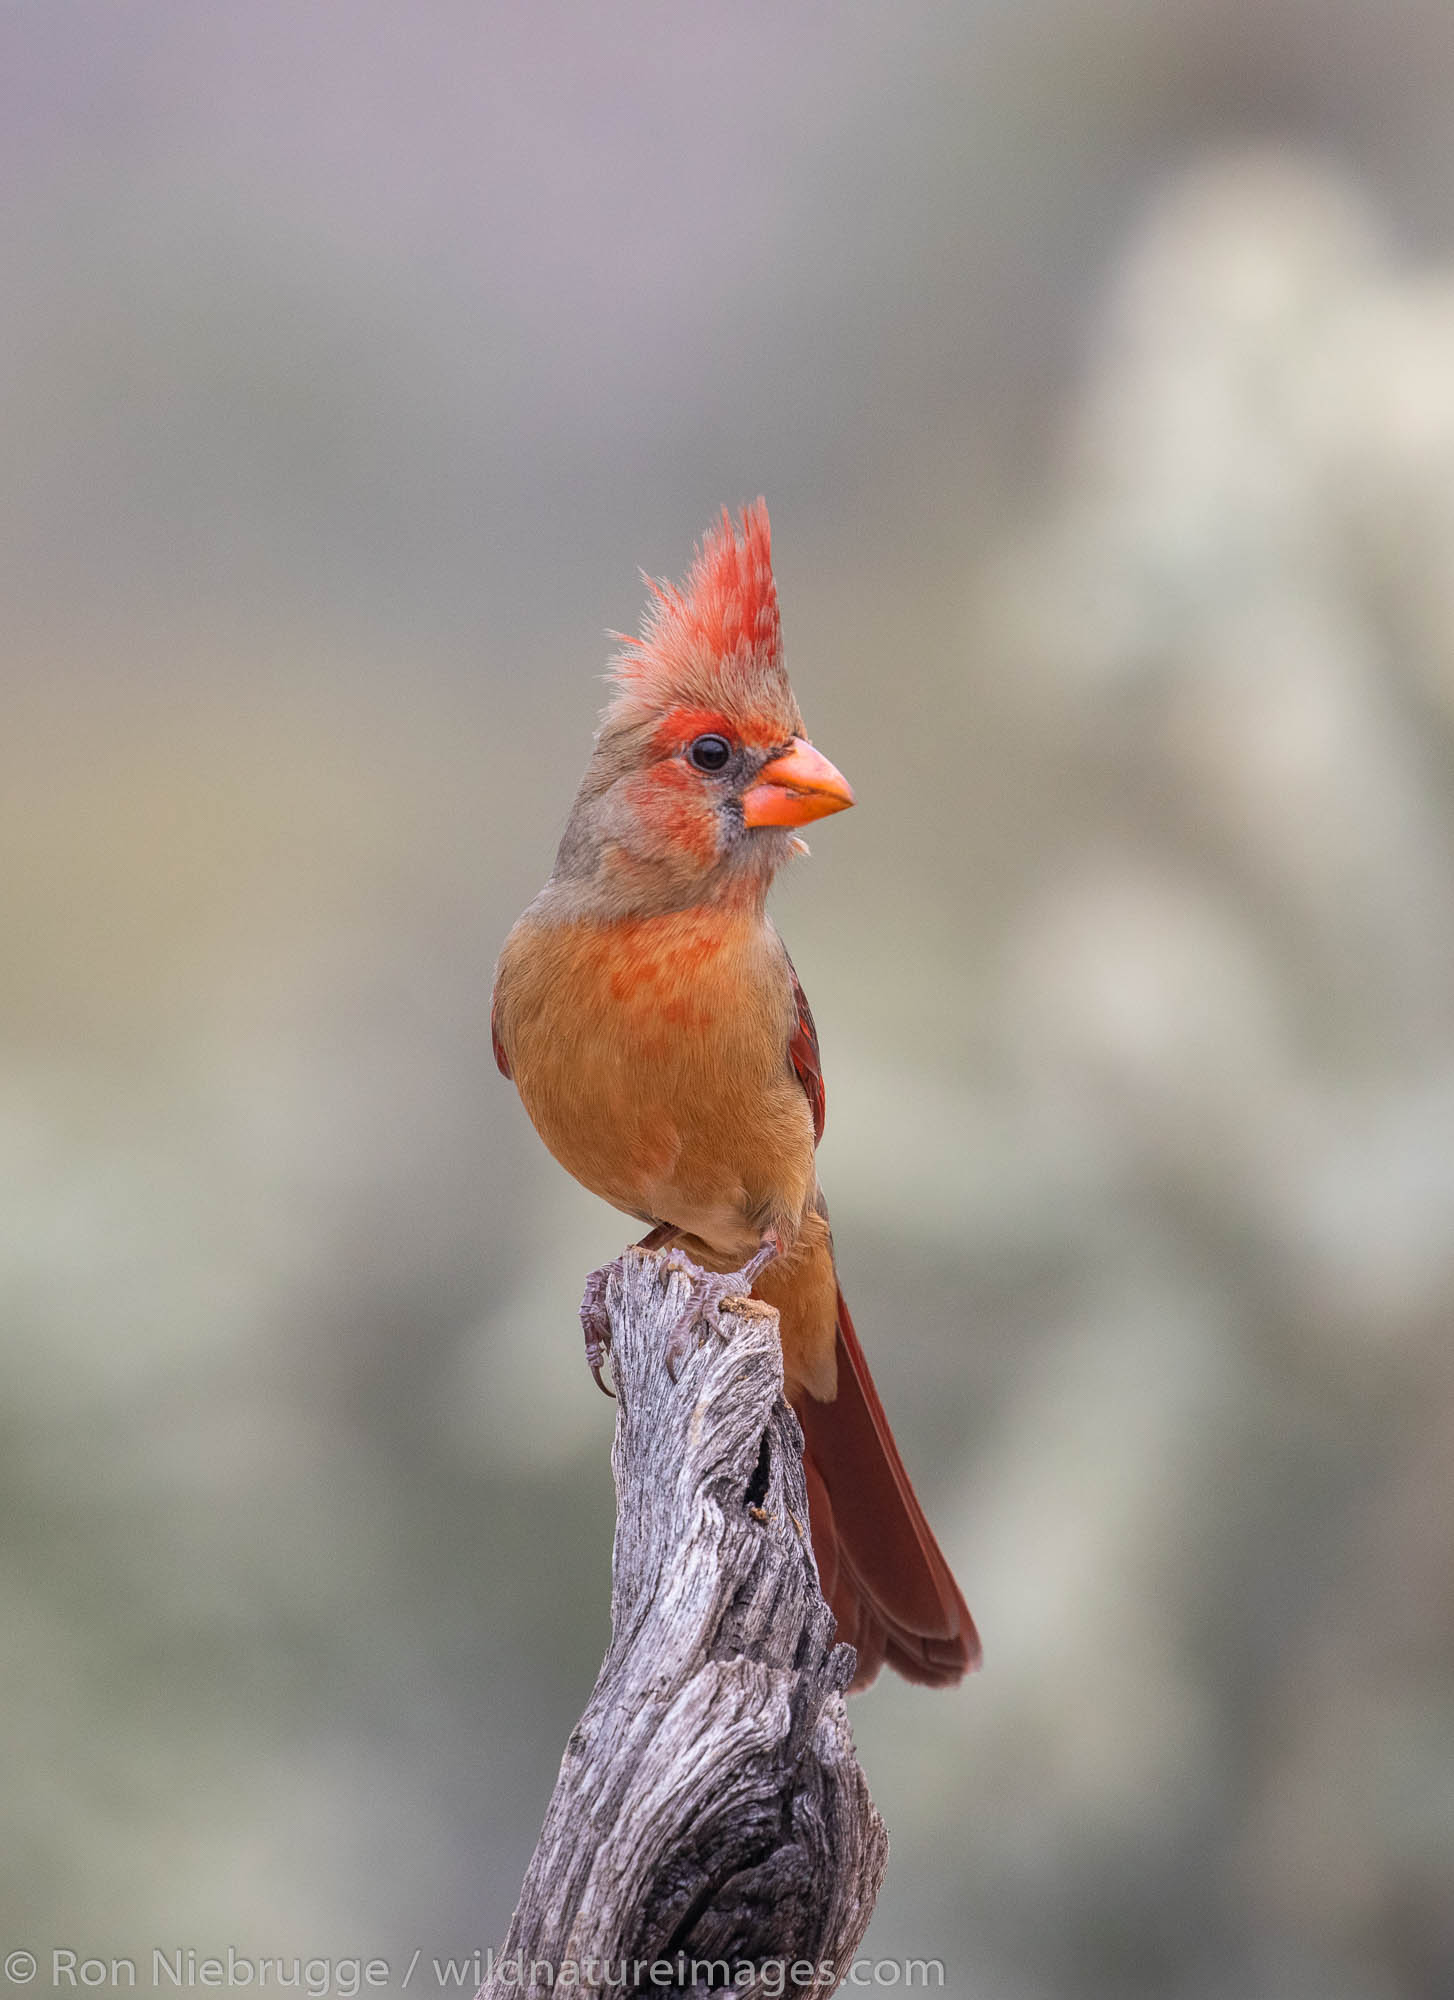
(654, 1026)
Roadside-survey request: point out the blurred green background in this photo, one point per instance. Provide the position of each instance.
(1097, 362)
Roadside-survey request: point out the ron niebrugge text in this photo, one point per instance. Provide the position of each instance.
(179, 1968)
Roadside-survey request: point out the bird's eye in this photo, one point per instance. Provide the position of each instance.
(710, 753)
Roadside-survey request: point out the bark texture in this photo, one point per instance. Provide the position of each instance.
(710, 1807)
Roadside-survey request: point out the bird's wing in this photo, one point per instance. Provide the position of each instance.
(804, 1056)
(502, 1061)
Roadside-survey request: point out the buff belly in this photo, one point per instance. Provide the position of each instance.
(608, 1058)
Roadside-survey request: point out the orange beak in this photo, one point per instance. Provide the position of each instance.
(794, 788)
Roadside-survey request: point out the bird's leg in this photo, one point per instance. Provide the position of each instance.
(595, 1324)
(595, 1321)
(712, 1293)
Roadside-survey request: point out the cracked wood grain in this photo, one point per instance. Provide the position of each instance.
(710, 1807)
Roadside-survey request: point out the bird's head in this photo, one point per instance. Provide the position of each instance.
(701, 769)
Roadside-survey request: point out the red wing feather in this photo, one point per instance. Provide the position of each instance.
(502, 1061)
(806, 1061)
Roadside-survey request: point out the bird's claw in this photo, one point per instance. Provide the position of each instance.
(596, 1324)
(714, 1295)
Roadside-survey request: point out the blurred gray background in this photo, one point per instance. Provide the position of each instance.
(1097, 362)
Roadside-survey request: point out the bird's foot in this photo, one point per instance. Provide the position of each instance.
(595, 1320)
(713, 1294)
(596, 1323)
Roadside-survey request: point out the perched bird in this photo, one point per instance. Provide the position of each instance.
(651, 1019)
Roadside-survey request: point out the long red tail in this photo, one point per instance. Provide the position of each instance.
(881, 1568)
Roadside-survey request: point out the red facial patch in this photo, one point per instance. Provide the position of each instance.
(683, 725)
(672, 806)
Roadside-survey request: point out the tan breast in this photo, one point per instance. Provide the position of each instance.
(652, 1057)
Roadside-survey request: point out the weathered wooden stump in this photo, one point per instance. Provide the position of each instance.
(710, 1813)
